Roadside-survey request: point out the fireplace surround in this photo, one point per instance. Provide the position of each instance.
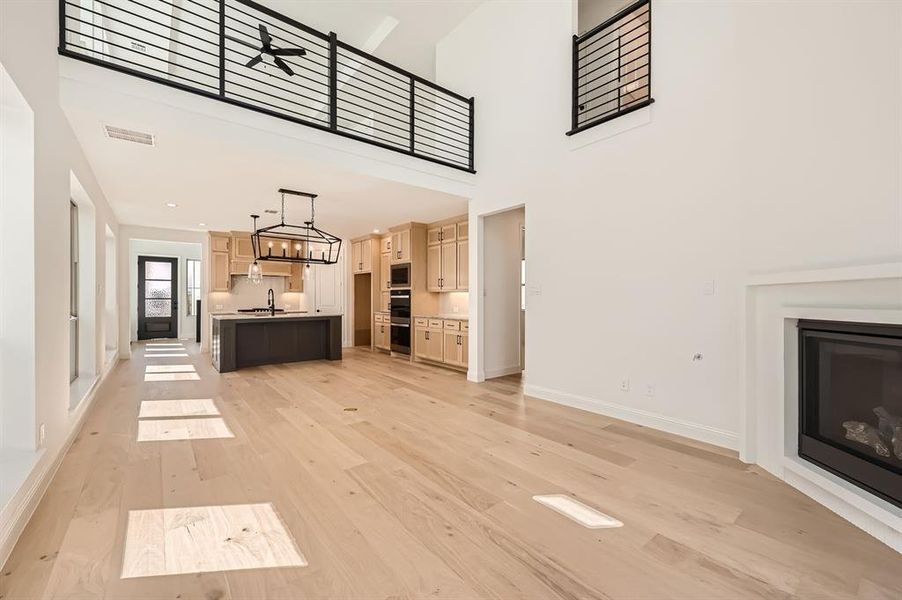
(850, 402)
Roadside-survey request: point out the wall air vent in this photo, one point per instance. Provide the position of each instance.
(138, 137)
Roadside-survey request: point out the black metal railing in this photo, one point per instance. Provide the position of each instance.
(612, 68)
(204, 47)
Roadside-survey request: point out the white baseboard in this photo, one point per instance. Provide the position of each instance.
(502, 371)
(695, 431)
(16, 514)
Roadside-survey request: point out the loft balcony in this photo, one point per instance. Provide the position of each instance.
(247, 55)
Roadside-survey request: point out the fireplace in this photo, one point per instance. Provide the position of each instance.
(850, 403)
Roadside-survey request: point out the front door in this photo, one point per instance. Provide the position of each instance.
(157, 297)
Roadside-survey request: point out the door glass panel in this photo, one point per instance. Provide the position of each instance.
(158, 308)
(158, 289)
(157, 270)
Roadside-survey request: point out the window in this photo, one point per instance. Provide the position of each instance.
(73, 291)
(193, 286)
(522, 268)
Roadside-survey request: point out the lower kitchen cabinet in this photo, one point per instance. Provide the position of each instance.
(442, 341)
(382, 331)
(455, 348)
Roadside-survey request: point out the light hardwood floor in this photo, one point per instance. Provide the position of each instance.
(401, 480)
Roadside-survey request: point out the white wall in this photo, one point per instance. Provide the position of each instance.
(501, 297)
(180, 250)
(774, 143)
(28, 32)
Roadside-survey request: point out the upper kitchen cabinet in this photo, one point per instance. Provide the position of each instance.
(295, 281)
(400, 246)
(219, 262)
(362, 255)
(242, 248)
(447, 269)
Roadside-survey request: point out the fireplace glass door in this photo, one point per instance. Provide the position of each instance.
(851, 403)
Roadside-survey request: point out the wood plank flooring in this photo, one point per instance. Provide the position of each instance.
(399, 480)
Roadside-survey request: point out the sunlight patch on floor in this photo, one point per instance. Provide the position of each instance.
(180, 355)
(154, 409)
(171, 377)
(579, 512)
(203, 539)
(186, 368)
(170, 430)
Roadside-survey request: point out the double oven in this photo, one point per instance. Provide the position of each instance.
(400, 321)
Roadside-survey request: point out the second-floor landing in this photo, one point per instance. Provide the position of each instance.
(362, 84)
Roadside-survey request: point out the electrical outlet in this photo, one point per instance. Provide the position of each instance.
(219, 307)
(455, 309)
(650, 390)
(624, 385)
(708, 288)
(42, 435)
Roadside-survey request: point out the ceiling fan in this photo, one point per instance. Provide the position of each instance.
(266, 48)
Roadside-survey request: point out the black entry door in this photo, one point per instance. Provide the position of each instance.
(158, 315)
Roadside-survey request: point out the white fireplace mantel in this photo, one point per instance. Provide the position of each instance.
(769, 414)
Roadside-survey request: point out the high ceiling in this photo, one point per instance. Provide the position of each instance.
(220, 172)
(402, 32)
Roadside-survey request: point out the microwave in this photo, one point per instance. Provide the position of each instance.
(400, 276)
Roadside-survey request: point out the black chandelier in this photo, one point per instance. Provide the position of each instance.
(283, 242)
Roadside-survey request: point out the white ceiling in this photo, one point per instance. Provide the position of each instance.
(219, 173)
(410, 44)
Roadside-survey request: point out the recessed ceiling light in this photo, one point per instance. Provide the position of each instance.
(202, 224)
(375, 231)
(171, 204)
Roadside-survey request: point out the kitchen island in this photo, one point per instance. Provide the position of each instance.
(240, 341)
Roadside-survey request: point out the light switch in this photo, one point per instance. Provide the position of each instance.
(708, 288)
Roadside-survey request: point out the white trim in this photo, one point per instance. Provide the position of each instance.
(851, 273)
(20, 508)
(695, 431)
(871, 514)
(501, 371)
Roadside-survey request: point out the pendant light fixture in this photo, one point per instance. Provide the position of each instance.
(283, 242)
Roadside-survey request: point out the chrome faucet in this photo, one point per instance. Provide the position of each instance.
(271, 302)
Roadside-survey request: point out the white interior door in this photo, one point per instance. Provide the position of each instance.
(327, 293)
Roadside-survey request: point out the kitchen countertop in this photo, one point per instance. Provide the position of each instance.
(234, 316)
(445, 317)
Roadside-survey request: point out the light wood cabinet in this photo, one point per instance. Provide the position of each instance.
(434, 268)
(385, 272)
(382, 331)
(447, 266)
(441, 340)
(455, 348)
(219, 243)
(362, 256)
(295, 281)
(241, 246)
(400, 246)
(220, 278)
(463, 265)
(385, 245)
(385, 301)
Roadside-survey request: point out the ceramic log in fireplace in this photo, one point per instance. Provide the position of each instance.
(850, 403)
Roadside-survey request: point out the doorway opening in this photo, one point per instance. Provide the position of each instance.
(504, 293)
(158, 297)
(363, 309)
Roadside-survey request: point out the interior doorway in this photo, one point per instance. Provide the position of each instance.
(363, 309)
(504, 293)
(157, 297)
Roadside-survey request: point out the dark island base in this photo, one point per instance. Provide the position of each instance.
(255, 341)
